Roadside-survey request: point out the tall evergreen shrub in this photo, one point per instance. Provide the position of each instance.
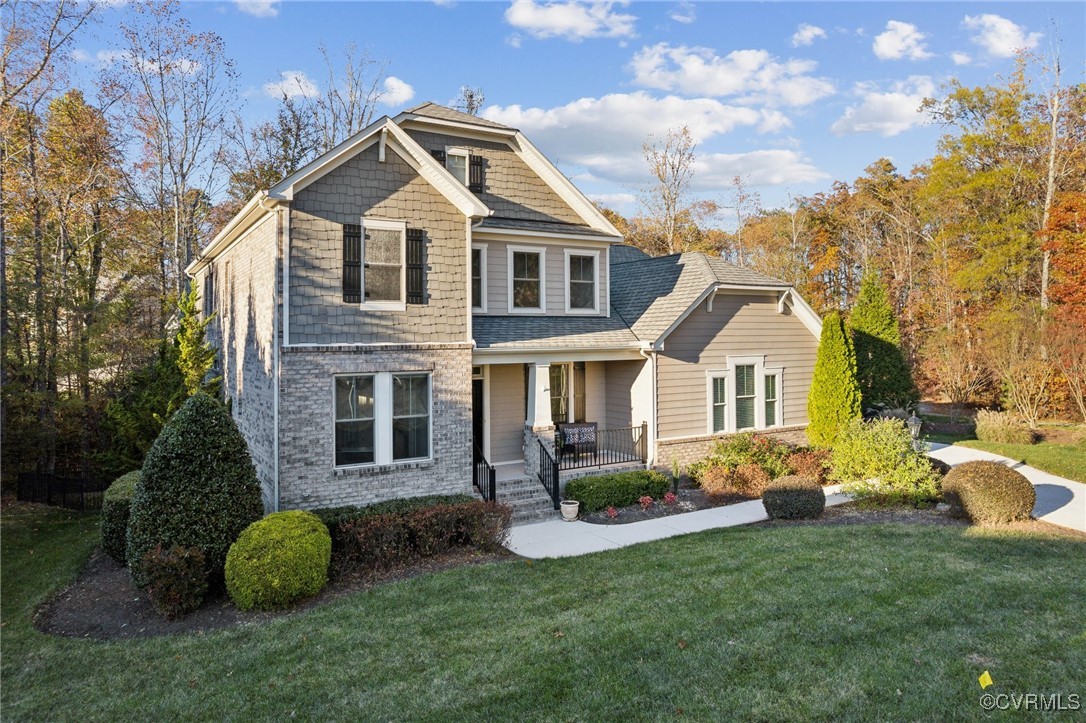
(881, 370)
(197, 488)
(834, 399)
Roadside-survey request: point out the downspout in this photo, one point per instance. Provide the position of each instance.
(650, 445)
(275, 367)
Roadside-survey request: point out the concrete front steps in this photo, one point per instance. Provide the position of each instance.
(528, 498)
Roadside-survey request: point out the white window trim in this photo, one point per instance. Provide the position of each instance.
(482, 249)
(760, 372)
(459, 151)
(381, 224)
(595, 281)
(382, 419)
(510, 251)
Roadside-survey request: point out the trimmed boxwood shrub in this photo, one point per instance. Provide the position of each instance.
(176, 579)
(989, 493)
(116, 503)
(278, 560)
(616, 490)
(197, 488)
(383, 541)
(794, 498)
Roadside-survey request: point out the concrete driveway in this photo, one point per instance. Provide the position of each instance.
(1059, 501)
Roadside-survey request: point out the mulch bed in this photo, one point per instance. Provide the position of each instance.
(690, 499)
(102, 604)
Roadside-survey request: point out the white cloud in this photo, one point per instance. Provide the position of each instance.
(684, 13)
(753, 76)
(999, 36)
(613, 200)
(900, 40)
(604, 135)
(258, 8)
(773, 167)
(292, 84)
(81, 56)
(805, 35)
(886, 113)
(961, 58)
(513, 40)
(396, 92)
(571, 20)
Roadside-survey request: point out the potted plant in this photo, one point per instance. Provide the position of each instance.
(570, 508)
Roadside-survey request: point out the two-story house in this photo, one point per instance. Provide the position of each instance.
(430, 298)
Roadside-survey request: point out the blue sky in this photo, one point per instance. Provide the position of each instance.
(791, 96)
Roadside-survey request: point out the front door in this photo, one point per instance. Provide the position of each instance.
(477, 416)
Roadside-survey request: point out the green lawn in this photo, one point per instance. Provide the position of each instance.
(1065, 460)
(849, 622)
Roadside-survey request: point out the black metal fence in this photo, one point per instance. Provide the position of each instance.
(75, 493)
(600, 447)
(548, 474)
(484, 477)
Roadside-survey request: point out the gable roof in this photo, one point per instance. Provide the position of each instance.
(430, 109)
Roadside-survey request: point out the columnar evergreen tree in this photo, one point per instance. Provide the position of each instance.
(195, 356)
(834, 399)
(881, 370)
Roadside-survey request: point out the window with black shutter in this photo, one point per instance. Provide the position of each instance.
(475, 174)
(352, 263)
(209, 292)
(439, 155)
(416, 266)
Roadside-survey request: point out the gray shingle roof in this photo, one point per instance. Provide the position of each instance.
(551, 332)
(516, 224)
(433, 110)
(623, 254)
(651, 293)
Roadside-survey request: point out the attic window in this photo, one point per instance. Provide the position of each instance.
(456, 161)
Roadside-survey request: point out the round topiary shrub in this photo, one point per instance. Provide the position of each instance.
(989, 493)
(197, 488)
(278, 560)
(116, 503)
(794, 498)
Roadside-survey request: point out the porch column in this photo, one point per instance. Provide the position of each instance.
(539, 397)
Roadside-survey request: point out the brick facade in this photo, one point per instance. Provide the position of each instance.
(693, 449)
(308, 476)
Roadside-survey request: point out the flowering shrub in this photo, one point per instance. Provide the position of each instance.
(646, 502)
(670, 498)
(612, 512)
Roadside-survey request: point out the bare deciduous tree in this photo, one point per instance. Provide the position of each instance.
(471, 99)
(668, 202)
(745, 204)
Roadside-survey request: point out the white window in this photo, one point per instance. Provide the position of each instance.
(382, 418)
(568, 398)
(746, 395)
(478, 277)
(456, 161)
(384, 276)
(527, 287)
(582, 282)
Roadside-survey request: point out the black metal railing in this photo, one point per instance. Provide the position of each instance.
(75, 493)
(602, 447)
(548, 474)
(484, 477)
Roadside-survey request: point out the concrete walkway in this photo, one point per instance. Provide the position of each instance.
(1059, 501)
(557, 538)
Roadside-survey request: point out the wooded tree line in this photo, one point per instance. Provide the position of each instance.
(982, 248)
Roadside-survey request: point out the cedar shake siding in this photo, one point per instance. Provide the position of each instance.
(740, 324)
(363, 186)
(244, 334)
(510, 188)
(497, 275)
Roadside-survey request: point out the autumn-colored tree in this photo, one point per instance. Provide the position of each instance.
(1014, 348)
(1065, 239)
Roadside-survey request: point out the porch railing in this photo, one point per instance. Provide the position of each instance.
(607, 446)
(548, 474)
(484, 477)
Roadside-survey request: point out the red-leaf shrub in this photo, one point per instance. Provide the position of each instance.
(176, 579)
(646, 502)
(810, 463)
(670, 498)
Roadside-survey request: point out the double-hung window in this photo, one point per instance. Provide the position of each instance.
(527, 291)
(384, 278)
(456, 161)
(582, 282)
(746, 395)
(382, 418)
(478, 277)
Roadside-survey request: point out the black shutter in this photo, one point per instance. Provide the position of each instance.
(416, 266)
(439, 155)
(209, 292)
(352, 263)
(475, 174)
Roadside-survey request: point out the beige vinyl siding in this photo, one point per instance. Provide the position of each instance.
(595, 381)
(620, 381)
(507, 412)
(497, 275)
(739, 325)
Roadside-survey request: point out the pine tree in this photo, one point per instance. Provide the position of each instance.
(883, 374)
(195, 356)
(834, 398)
